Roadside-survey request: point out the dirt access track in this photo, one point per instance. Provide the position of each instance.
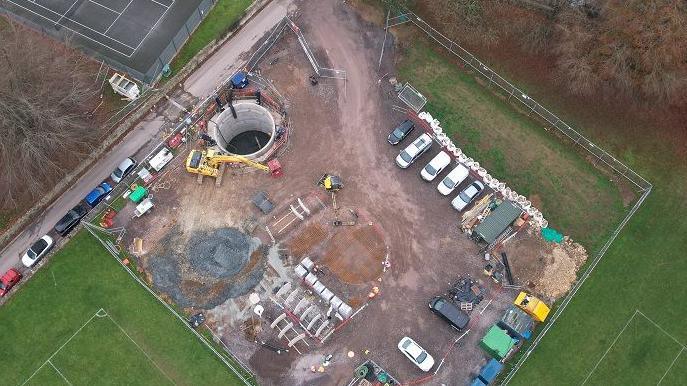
(341, 128)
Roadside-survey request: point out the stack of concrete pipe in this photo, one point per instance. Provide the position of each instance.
(498, 186)
(304, 271)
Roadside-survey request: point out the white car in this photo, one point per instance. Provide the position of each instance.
(435, 166)
(413, 151)
(416, 353)
(123, 170)
(37, 251)
(467, 195)
(453, 179)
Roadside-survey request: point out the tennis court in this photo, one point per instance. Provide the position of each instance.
(132, 33)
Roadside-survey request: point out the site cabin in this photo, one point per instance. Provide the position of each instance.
(497, 222)
(534, 307)
(517, 323)
(497, 343)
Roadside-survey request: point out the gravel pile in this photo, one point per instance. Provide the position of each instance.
(205, 269)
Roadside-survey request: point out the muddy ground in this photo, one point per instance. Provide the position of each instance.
(341, 128)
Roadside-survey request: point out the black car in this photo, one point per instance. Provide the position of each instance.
(401, 131)
(70, 220)
(449, 312)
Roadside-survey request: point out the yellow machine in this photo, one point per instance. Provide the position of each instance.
(208, 162)
(534, 307)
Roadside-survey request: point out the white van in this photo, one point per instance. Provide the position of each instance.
(435, 166)
(453, 179)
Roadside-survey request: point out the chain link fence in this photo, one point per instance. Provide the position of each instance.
(510, 91)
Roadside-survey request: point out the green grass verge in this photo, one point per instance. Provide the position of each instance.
(219, 21)
(574, 197)
(80, 279)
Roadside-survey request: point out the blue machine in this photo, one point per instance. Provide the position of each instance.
(239, 80)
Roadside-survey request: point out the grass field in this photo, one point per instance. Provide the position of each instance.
(515, 148)
(642, 270)
(83, 319)
(216, 25)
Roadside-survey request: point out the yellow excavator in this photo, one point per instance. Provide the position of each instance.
(208, 162)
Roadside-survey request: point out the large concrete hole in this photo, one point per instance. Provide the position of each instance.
(250, 134)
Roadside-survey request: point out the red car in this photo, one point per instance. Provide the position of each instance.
(8, 280)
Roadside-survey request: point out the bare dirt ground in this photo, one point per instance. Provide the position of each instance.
(340, 129)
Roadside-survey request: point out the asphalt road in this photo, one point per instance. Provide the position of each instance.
(140, 140)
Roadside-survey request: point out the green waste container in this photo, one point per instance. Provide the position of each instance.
(138, 194)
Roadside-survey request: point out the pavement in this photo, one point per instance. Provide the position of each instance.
(142, 139)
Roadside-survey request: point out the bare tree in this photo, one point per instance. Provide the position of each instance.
(46, 93)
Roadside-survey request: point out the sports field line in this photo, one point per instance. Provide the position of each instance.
(60, 373)
(141, 348)
(156, 23)
(670, 367)
(663, 330)
(609, 347)
(96, 314)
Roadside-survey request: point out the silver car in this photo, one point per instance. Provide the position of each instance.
(467, 195)
(123, 170)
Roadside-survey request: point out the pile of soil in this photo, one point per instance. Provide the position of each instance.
(204, 269)
(549, 269)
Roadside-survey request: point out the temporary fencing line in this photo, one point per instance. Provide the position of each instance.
(449, 350)
(183, 321)
(64, 344)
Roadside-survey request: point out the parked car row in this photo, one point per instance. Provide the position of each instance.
(436, 166)
(443, 308)
(68, 222)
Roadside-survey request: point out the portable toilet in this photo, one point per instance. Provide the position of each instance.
(497, 342)
(517, 323)
(534, 307)
(490, 371)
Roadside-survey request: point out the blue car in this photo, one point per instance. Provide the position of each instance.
(96, 195)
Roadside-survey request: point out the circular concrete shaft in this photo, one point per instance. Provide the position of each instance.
(250, 134)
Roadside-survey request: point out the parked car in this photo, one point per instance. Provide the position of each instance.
(453, 179)
(416, 354)
(449, 312)
(37, 251)
(413, 151)
(123, 170)
(467, 195)
(8, 280)
(70, 220)
(435, 166)
(96, 195)
(401, 132)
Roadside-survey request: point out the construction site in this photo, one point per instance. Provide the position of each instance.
(280, 221)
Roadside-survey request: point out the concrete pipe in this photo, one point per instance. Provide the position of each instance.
(250, 134)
